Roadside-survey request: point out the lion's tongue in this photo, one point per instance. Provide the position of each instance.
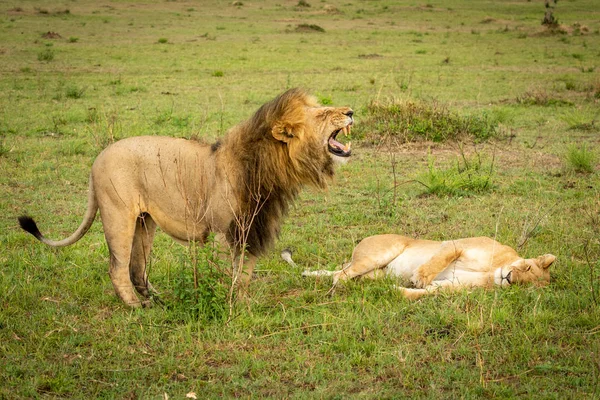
(338, 145)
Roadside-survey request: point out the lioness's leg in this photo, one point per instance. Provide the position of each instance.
(413, 294)
(145, 228)
(447, 286)
(370, 256)
(425, 274)
(359, 267)
(375, 274)
(119, 229)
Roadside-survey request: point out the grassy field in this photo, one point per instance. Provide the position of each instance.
(77, 75)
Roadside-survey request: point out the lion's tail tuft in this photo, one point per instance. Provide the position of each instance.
(29, 225)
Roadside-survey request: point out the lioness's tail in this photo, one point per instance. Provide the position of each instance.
(29, 225)
(286, 254)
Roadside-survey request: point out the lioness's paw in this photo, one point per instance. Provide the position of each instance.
(420, 280)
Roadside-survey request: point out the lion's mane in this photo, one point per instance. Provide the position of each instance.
(271, 172)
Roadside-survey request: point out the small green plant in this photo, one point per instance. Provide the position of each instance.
(92, 115)
(202, 284)
(73, 39)
(325, 100)
(217, 74)
(540, 97)
(579, 121)
(104, 127)
(579, 158)
(570, 85)
(46, 55)
(468, 176)
(3, 148)
(73, 147)
(303, 3)
(74, 92)
(163, 40)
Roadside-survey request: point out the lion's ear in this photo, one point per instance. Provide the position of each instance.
(285, 132)
(545, 261)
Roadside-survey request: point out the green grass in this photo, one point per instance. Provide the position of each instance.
(409, 121)
(465, 177)
(580, 158)
(462, 92)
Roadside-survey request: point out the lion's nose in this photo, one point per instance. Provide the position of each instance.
(349, 113)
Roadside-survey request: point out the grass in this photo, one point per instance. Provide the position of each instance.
(465, 177)
(46, 55)
(455, 92)
(580, 158)
(409, 121)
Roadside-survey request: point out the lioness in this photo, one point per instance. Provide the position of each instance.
(432, 265)
(239, 187)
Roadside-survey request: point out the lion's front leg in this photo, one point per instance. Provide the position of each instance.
(245, 271)
(427, 272)
(242, 263)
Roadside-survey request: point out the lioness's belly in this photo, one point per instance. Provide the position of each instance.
(406, 263)
(469, 269)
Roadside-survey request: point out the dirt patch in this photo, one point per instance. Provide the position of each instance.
(308, 28)
(369, 56)
(51, 35)
(329, 9)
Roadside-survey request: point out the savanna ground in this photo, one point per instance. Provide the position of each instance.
(77, 75)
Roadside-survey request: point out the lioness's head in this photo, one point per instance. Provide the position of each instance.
(529, 270)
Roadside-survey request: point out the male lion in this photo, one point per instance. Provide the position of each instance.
(431, 265)
(239, 188)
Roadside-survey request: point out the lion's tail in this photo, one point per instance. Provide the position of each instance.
(29, 225)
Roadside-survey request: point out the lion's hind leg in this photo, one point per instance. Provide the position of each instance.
(145, 228)
(119, 231)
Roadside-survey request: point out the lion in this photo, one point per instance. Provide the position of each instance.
(433, 265)
(239, 188)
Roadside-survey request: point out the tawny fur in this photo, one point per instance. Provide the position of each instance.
(433, 265)
(239, 188)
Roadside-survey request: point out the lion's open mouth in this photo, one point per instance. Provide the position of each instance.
(337, 148)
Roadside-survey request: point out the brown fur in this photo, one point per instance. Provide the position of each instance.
(239, 188)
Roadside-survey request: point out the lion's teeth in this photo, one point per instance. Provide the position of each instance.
(348, 146)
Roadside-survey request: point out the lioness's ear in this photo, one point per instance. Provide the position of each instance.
(286, 132)
(545, 261)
